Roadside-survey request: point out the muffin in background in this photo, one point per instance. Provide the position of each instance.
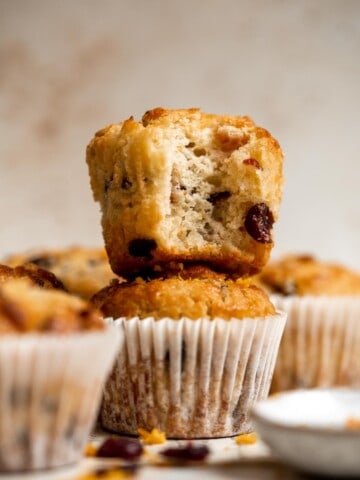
(198, 353)
(321, 342)
(50, 384)
(83, 270)
(34, 274)
(186, 186)
(306, 275)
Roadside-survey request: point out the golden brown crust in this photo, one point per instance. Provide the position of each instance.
(25, 307)
(186, 186)
(176, 297)
(305, 275)
(83, 270)
(38, 276)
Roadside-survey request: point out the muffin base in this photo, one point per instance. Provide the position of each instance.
(321, 343)
(50, 390)
(190, 378)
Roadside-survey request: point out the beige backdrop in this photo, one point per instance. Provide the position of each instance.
(68, 68)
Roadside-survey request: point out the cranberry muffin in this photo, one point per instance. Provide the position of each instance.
(50, 385)
(186, 186)
(321, 342)
(305, 275)
(199, 352)
(37, 276)
(83, 270)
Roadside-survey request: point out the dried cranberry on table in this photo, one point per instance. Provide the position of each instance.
(117, 447)
(188, 452)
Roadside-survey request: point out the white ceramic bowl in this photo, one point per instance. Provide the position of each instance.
(308, 429)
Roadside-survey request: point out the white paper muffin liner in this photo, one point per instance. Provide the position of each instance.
(50, 390)
(190, 378)
(321, 342)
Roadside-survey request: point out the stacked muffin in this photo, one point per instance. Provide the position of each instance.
(188, 203)
(321, 342)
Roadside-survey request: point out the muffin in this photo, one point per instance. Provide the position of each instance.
(185, 186)
(321, 342)
(198, 353)
(37, 276)
(50, 384)
(84, 271)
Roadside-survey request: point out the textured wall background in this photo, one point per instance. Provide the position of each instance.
(68, 68)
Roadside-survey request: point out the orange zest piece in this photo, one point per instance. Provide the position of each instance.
(246, 439)
(155, 437)
(90, 450)
(352, 423)
(109, 475)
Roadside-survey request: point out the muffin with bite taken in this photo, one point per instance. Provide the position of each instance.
(189, 187)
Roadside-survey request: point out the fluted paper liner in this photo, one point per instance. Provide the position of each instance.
(50, 390)
(321, 343)
(190, 378)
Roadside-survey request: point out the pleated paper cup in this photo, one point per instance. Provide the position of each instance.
(50, 390)
(190, 378)
(321, 343)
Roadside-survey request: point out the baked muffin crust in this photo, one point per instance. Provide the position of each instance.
(37, 276)
(305, 275)
(83, 270)
(186, 186)
(176, 297)
(25, 307)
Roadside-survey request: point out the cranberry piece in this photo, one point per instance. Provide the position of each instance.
(253, 162)
(141, 247)
(218, 196)
(258, 223)
(45, 262)
(116, 447)
(189, 452)
(126, 184)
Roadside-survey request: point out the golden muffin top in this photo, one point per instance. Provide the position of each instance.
(83, 270)
(37, 276)
(176, 297)
(25, 307)
(305, 275)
